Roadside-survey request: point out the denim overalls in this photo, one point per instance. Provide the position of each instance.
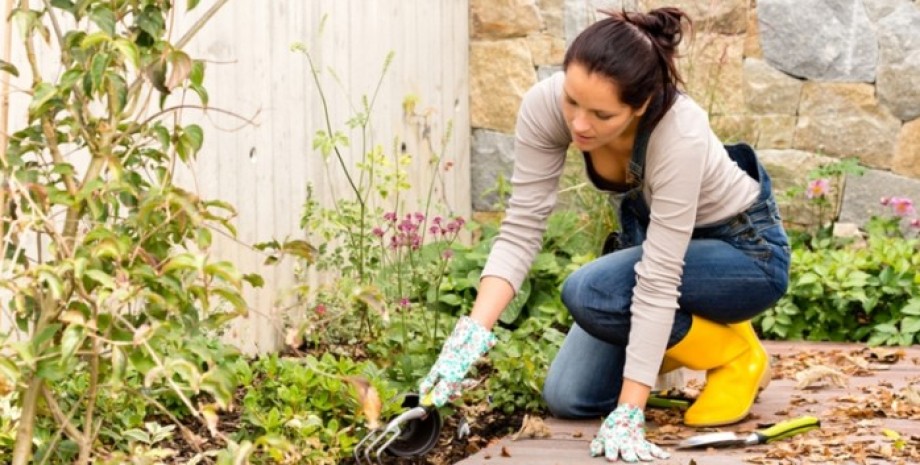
(733, 271)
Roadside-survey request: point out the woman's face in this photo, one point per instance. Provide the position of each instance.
(593, 110)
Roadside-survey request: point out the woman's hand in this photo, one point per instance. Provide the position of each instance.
(623, 435)
(466, 344)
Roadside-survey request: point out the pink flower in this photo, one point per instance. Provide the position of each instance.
(915, 223)
(884, 201)
(378, 232)
(320, 309)
(434, 229)
(448, 253)
(404, 302)
(390, 216)
(817, 188)
(902, 206)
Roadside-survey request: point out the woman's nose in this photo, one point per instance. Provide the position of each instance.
(580, 123)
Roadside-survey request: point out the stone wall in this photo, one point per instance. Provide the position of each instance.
(798, 80)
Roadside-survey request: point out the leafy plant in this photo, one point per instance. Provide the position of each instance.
(378, 253)
(107, 259)
(852, 291)
(307, 407)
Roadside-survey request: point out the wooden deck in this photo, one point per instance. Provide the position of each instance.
(870, 415)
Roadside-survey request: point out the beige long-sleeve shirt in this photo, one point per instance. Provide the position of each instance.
(689, 181)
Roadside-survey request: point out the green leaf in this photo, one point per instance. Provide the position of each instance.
(196, 76)
(8, 67)
(67, 5)
(162, 135)
(910, 325)
(54, 283)
(26, 21)
(202, 93)
(220, 384)
(128, 51)
(183, 261)
(71, 340)
(195, 136)
(43, 94)
(119, 364)
(192, 4)
(912, 307)
(45, 335)
(101, 277)
(104, 18)
(151, 21)
(254, 280)
(97, 69)
(94, 39)
(514, 308)
(224, 270)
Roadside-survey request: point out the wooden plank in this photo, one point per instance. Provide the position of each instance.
(569, 441)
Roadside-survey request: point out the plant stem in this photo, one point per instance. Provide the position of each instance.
(22, 451)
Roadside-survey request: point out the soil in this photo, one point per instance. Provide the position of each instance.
(483, 429)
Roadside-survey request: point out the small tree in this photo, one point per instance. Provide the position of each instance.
(106, 259)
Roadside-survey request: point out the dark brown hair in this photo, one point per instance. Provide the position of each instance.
(637, 52)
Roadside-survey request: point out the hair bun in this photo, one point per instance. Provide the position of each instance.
(664, 25)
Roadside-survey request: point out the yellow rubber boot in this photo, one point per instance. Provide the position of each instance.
(746, 330)
(734, 371)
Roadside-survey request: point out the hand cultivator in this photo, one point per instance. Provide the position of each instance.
(413, 433)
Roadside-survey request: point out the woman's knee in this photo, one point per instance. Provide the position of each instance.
(591, 302)
(559, 398)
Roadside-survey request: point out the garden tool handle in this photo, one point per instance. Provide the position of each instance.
(428, 401)
(787, 428)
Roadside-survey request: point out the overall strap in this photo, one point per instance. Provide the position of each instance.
(643, 134)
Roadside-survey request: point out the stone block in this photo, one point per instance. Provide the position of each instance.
(711, 66)
(829, 40)
(492, 155)
(496, 19)
(721, 17)
(898, 83)
(907, 156)
(861, 199)
(790, 170)
(768, 90)
(496, 91)
(846, 120)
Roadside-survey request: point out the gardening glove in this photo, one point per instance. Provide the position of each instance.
(466, 344)
(623, 435)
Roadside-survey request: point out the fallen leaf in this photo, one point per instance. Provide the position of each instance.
(369, 399)
(209, 412)
(505, 452)
(532, 427)
(815, 375)
(885, 355)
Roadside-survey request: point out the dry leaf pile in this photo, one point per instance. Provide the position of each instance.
(852, 429)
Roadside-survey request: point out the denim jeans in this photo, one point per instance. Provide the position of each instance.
(733, 271)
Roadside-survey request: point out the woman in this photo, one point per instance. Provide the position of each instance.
(702, 249)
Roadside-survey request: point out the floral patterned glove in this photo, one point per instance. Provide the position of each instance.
(623, 435)
(466, 344)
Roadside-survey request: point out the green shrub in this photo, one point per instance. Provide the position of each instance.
(851, 291)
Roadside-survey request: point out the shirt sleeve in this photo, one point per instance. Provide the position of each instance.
(541, 141)
(673, 179)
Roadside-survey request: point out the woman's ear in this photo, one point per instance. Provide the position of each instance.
(641, 111)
